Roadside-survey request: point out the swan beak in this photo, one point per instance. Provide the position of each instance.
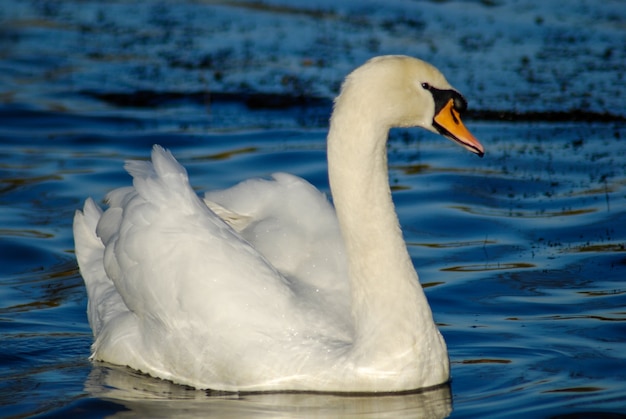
(448, 123)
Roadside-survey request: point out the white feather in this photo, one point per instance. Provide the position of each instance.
(264, 286)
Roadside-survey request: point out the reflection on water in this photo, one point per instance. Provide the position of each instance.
(518, 213)
(488, 267)
(148, 397)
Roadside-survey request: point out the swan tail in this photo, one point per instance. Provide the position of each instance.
(103, 300)
(162, 180)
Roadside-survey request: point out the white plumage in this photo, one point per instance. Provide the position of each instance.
(264, 286)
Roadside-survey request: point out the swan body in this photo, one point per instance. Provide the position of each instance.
(266, 286)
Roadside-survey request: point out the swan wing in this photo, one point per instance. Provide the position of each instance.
(294, 226)
(174, 286)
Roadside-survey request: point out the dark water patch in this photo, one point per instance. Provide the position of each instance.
(48, 286)
(252, 100)
(489, 267)
(19, 122)
(572, 115)
(486, 361)
(260, 100)
(586, 414)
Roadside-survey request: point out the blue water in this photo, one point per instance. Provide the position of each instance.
(522, 253)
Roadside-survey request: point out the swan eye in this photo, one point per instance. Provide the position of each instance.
(426, 86)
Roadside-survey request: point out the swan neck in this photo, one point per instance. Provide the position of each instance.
(388, 303)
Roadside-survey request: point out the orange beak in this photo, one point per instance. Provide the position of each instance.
(449, 124)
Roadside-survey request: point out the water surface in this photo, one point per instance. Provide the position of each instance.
(522, 253)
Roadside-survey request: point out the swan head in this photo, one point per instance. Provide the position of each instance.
(402, 91)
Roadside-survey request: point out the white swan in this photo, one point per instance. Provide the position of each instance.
(262, 287)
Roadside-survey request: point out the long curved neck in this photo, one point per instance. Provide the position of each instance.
(389, 306)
